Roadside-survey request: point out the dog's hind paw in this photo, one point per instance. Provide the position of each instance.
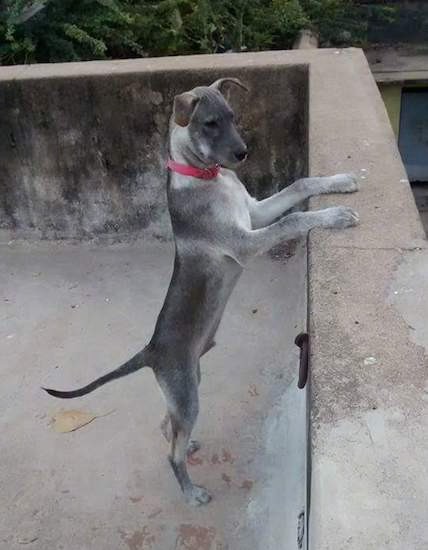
(193, 447)
(197, 496)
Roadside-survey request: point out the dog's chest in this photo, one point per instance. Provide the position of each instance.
(229, 202)
(214, 205)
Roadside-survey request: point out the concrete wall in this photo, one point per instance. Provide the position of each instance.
(84, 145)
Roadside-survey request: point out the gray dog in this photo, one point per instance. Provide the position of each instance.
(217, 228)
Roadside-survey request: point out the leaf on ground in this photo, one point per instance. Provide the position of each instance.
(68, 421)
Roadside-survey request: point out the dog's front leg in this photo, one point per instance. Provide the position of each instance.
(265, 212)
(294, 225)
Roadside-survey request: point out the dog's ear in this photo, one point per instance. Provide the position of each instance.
(184, 106)
(219, 84)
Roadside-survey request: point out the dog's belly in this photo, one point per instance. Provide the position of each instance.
(194, 305)
(231, 276)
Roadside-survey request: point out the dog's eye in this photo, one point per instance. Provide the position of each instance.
(212, 123)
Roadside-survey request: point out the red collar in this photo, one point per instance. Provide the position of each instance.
(201, 173)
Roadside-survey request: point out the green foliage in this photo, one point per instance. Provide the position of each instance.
(70, 30)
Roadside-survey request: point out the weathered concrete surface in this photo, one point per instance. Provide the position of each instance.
(70, 313)
(85, 145)
(402, 63)
(369, 377)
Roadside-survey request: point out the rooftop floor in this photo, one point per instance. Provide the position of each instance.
(71, 313)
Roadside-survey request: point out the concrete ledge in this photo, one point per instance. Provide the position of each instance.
(369, 405)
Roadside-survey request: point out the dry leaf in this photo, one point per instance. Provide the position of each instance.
(68, 421)
(27, 540)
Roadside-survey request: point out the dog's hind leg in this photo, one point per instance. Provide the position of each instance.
(194, 445)
(166, 429)
(181, 392)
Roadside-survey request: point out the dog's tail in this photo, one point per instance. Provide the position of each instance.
(135, 363)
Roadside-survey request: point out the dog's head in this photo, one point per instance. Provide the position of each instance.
(209, 122)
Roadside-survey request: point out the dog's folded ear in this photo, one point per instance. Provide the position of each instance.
(219, 84)
(184, 106)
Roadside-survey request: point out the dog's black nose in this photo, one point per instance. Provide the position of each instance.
(241, 155)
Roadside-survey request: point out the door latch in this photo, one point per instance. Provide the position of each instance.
(302, 341)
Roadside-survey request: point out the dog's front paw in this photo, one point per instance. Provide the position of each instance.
(340, 217)
(344, 183)
(197, 496)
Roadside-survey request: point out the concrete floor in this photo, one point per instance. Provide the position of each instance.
(70, 313)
